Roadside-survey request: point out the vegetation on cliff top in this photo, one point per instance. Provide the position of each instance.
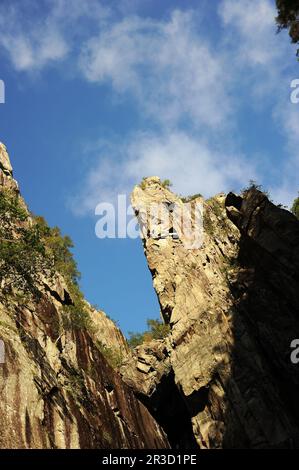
(22, 253)
(295, 207)
(113, 356)
(165, 183)
(288, 18)
(58, 247)
(29, 248)
(190, 198)
(156, 330)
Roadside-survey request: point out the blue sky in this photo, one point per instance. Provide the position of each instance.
(100, 94)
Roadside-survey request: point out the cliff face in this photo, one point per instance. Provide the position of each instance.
(233, 309)
(222, 378)
(57, 388)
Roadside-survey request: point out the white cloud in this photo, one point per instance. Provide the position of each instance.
(187, 161)
(27, 54)
(172, 71)
(286, 116)
(188, 84)
(254, 21)
(264, 62)
(68, 11)
(175, 73)
(259, 56)
(35, 35)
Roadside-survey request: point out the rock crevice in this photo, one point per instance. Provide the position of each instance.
(222, 378)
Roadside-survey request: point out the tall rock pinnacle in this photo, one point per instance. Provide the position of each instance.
(6, 173)
(233, 309)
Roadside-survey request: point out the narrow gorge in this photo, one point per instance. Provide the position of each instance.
(222, 377)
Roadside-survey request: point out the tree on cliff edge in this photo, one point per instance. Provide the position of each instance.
(295, 207)
(288, 18)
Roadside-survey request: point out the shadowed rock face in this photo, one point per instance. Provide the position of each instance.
(149, 373)
(233, 309)
(56, 388)
(221, 379)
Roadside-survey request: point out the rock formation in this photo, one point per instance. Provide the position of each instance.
(222, 378)
(233, 309)
(57, 388)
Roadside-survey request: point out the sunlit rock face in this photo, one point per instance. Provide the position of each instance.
(6, 174)
(222, 378)
(232, 305)
(57, 389)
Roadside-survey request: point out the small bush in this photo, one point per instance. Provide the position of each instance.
(166, 184)
(254, 185)
(22, 253)
(156, 330)
(113, 357)
(207, 223)
(76, 316)
(11, 208)
(28, 248)
(135, 339)
(59, 248)
(142, 185)
(295, 207)
(190, 198)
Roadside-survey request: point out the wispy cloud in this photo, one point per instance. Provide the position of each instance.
(193, 89)
(26, 52)
(189, 162)
(266, 57)
(34, 35)
(171, 70)
(254, 23)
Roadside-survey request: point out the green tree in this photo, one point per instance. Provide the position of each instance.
(59, 247)
(190, 198)
(295, 207)
(254, 185)
(113, 356)
(157, 329)
(28, 248)
(166, 184)
(288, 18)
(135, 339)
(22, 253)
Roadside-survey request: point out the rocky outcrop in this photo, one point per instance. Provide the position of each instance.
(222, 378)
(6, 173)
(108, 333)
(146, 367)
(57, 388)
(149, 373)
(232, 304)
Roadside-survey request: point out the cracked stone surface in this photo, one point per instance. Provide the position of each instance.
(57, 389)
(233, 309)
